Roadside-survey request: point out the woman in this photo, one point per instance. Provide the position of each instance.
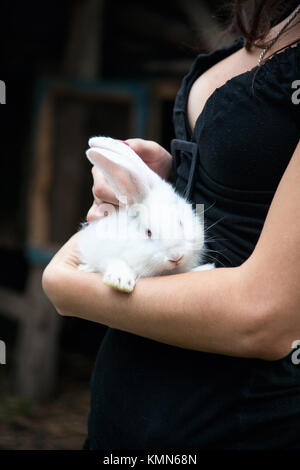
(203, 360)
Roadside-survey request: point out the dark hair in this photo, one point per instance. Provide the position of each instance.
(253, 19)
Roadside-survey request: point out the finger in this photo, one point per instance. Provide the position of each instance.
(103, 193)
(124, 142)
(138, 145)
(99, 210)
(146, 149)
(95, 212)
(101, 189)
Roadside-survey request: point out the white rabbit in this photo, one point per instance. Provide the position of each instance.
(154, 231)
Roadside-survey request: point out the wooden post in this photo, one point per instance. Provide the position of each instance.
(37, 343)
(203, 22)
(83, 52)
(38, 336)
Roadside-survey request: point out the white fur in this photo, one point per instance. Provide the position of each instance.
(118, 245)
(204, 267)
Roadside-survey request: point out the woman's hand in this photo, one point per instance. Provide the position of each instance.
(153, 154)
(247, 311)
(61, 268)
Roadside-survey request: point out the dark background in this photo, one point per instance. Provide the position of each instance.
(148, 41)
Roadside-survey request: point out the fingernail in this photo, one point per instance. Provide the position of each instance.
(123, 142)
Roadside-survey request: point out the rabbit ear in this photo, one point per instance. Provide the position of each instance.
(126, 179)
(109, 146)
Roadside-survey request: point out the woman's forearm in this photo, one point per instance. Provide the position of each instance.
(200, 310)
(248, 311)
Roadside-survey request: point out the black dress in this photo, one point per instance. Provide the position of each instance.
(149, 395)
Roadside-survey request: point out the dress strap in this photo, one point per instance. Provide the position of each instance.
(179, 147)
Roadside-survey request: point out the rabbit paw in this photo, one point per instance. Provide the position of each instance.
(85, 268)
(119, 276)
(204, 267)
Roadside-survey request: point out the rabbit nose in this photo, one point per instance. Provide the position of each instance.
(176, 258)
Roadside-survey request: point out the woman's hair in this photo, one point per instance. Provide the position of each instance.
(253, 19)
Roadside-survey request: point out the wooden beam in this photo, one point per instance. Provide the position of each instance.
(82, 58)
(12, 304)
(203, 22)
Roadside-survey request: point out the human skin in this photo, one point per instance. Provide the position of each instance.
(246, 311)
(153, 154)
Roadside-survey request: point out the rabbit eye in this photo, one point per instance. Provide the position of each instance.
(148, 233)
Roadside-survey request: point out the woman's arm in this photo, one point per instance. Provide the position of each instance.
(249, 311)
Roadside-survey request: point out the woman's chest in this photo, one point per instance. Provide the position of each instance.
(245, 138)
(242, 123)
(215, 77)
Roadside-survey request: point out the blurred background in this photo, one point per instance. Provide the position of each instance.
(72, 69)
